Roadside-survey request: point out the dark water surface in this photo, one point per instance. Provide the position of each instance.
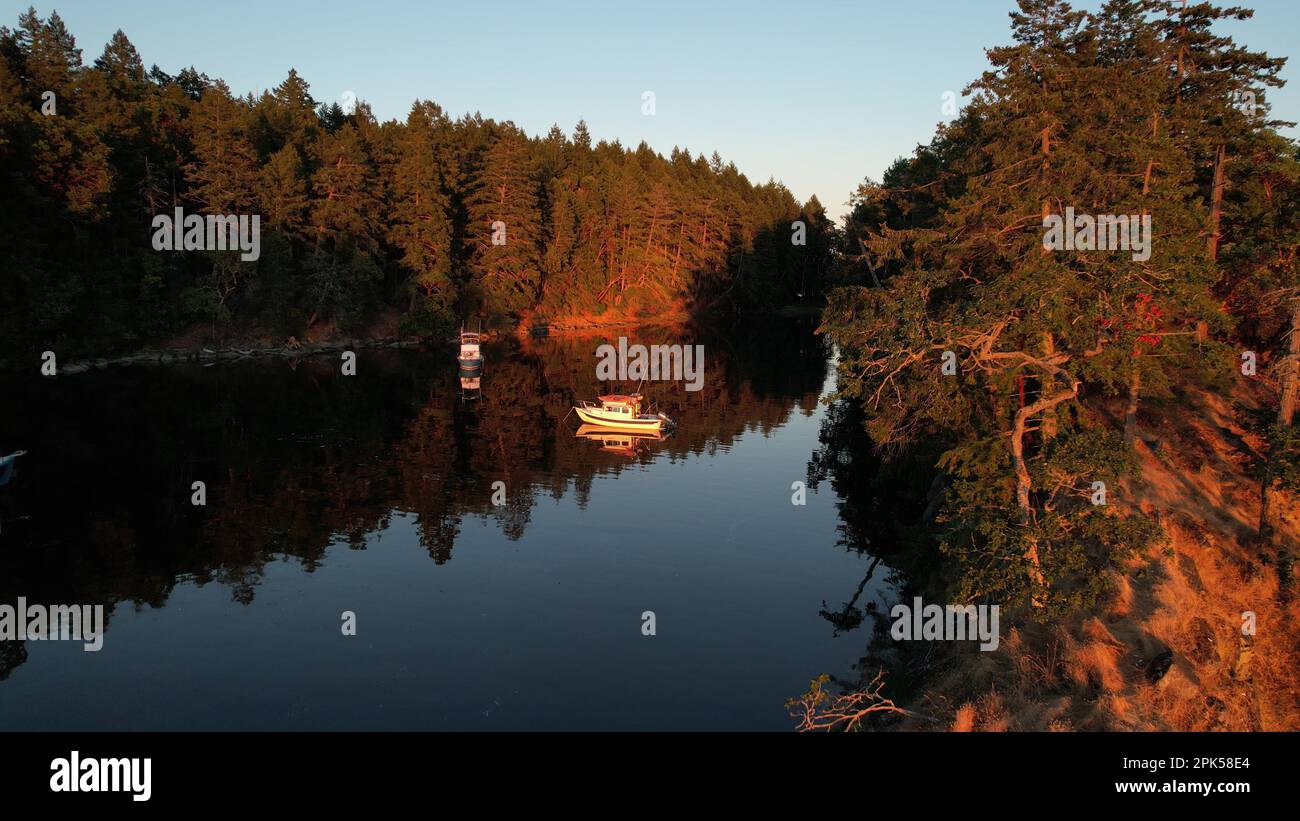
(373, 494)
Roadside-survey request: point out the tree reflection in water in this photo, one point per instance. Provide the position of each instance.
(298, 458)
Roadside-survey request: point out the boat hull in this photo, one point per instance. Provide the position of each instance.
(652, 424)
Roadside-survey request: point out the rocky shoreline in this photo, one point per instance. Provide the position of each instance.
(226, 353)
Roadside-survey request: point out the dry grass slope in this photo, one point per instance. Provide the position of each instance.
(1186, 596)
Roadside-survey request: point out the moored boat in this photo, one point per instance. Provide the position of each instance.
(622, 411)
(470, 358)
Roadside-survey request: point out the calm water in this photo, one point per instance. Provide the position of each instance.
(373, 494)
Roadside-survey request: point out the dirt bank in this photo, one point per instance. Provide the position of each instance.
(1188, 596)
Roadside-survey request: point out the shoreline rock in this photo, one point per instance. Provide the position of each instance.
(227, 353)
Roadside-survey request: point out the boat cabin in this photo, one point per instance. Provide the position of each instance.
(621, 404)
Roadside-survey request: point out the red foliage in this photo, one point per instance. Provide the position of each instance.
(1146, 315)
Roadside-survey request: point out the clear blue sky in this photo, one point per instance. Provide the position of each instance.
(814, 94)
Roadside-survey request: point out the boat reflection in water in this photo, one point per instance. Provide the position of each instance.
(624, 443)
(470, 387)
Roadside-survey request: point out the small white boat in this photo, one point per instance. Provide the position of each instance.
(622, 411)
(470, 358)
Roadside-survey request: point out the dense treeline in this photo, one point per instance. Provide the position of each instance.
(359, 219)
(1142, 108)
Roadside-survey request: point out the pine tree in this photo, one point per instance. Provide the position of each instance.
(281, 191)
(356, 214)
(341, 269)
(286, 116)
(422, 226)
(980, 293)
(504, 224)
(223, 175)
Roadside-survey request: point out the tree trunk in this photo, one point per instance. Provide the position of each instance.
(934, 499)
(1049, 422)
(867, 260)
(1290, 377)
(1131, 413)
(1285, 415)
(1265, 486)
(1216, 201)
(1024, 482)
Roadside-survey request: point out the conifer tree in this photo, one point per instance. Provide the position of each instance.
(223, 175)
(281, 191)
(422, 227)
(504, 224)
(356, 215)
(981, 294)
